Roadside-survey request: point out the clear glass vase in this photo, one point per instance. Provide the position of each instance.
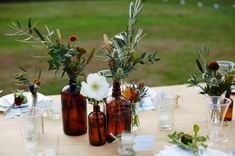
(217, 108)
(135, 122)
(35, 105)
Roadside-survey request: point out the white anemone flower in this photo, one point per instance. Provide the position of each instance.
(96, 87)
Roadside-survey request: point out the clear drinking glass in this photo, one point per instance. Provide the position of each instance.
(125, 147)
(217, 108)
(54, 111)
(29, 127)
(48, 144)
(165, 113)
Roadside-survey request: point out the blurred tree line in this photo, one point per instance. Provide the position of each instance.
(49, 0)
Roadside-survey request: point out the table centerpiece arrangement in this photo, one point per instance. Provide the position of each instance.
(73, 58)
(211, 81)
(122, 56)
(217, 87)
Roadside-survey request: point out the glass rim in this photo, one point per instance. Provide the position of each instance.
(223, 102)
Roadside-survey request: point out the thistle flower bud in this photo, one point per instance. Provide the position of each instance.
(119, 72)
(115, 54)
(213, 81)
(213, 66)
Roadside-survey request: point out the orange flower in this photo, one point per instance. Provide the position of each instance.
(73, 38)
(37, 82)
(129, 94)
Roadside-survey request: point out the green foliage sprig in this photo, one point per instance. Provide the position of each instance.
(215, 82)
(71, 56)
(32, 83)
(194, 143)
(121, 49)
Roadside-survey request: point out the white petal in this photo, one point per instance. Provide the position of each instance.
(85, 89)
(92, 77)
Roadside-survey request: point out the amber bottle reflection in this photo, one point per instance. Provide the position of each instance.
(97, 127)
(118, 112)
(74, 111)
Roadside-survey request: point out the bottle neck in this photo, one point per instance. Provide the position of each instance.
(227, 95)
(96, 108)
(72, 84)
(116, 89)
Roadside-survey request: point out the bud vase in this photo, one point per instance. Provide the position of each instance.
(97, 127)
(135, 123)
(217, 108)
(35, 105)
(74, 110)
(118, 112)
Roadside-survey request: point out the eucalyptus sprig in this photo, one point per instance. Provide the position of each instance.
(31, 33)
(121, 50)
(194, 143)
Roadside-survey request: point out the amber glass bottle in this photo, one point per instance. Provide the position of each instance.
(118, 112)
(74, 110)
(229, 113)
(97, 127)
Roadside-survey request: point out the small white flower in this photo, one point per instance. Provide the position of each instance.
(96, 87)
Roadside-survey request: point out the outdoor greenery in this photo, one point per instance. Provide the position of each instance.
(175, 31)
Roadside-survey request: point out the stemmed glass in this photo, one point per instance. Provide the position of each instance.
(29, 127)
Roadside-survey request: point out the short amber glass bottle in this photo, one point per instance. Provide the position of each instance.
(74, 110)
(118, 113)
(97, 127)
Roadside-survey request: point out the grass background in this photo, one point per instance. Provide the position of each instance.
(175, 31)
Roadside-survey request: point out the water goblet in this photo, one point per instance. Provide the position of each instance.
(29, 127)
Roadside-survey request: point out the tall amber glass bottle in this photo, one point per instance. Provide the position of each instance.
(97, 127)
(118, 112)
(229, 114)
(74, 110)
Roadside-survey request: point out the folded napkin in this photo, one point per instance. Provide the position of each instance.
(148, 103)
(144, 143)
(177, 151)
(7, 101)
